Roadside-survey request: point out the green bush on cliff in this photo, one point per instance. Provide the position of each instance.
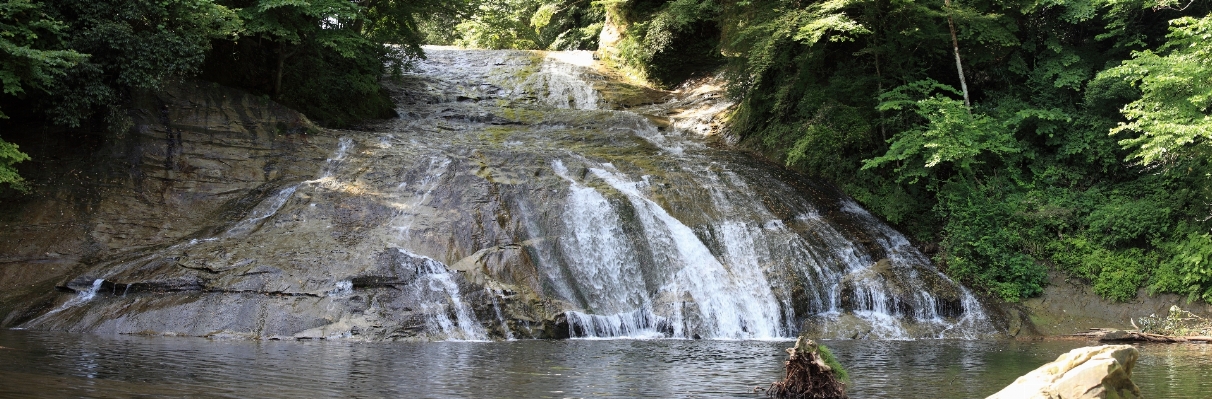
(1189, 269)
(325, 58)
(1116, 275)
(526, 24)
(667, 42)
(29, 41)
(1042, 168)
(9, 155)
(92, 54)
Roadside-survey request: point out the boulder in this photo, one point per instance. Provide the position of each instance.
(1089, 372)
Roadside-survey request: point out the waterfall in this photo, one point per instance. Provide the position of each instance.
(81, 296)
(334, 161)
(513, 196)
(560, 81)
(690, 243)
(269, 207)
(440, 298)
(496, 309)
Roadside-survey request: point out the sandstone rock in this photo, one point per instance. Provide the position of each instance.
(1089, 372)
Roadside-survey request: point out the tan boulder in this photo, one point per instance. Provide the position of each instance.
(1089, 372)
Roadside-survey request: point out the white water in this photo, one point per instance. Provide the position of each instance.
(440, 298)
(332, 163)
(269, 207)
(496, 308)
(621, 229)
(81, 298)
(733, 304)
(413, 195)
(560, 81)
(606, 266)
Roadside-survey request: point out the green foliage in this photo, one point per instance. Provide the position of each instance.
(862, 93)
(131, 45)
(26, 33)
(1189, 270)
(530, 24)
(983, 237)
(1176, 92)
(764, 42)
(78, 62)
(294, 51)
(1116, 275)
(666, 42)
(324, 57)
(830, 360)
(951, 134)
(9, 155)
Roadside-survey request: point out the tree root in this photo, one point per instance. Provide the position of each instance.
(808, 377)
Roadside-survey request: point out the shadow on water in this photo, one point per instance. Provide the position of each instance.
(40, 364)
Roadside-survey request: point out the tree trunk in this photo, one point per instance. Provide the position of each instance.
(282, 56)
(808, 377)
(281, 66)
(959, 66)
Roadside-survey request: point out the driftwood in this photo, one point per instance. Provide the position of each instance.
(808, 377)
(1114, 335)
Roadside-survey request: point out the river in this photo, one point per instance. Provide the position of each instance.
(40, 364)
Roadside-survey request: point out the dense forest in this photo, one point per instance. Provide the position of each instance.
(1007, 138)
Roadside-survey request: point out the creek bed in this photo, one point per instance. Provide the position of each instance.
(41, 364)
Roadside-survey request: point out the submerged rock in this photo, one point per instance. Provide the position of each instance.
(1090, 372)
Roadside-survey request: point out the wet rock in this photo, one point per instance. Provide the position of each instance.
(1090, 372)
(194, 155)
(474, 220)
(188, 283)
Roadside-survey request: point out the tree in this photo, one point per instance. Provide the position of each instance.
(323, 57)
(131, 45)
(1176, 92)
(532, 24)
(28, 37)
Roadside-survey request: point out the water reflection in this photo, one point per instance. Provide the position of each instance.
(36, 364)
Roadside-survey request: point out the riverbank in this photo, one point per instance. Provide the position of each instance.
(1069, 306)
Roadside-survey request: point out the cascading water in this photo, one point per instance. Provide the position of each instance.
(496, 309)
(262, 211)
(439, 297)
(513, 199)
(81, 296)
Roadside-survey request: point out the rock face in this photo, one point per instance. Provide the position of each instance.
(1090, 372)
(195, 156)
(511, 199)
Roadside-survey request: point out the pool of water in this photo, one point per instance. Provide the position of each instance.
(39, 364)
